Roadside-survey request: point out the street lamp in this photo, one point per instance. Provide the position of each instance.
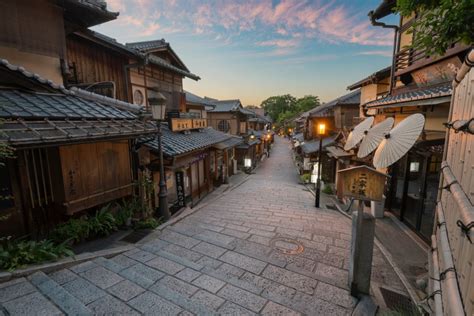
(321, 130)
(158, 112)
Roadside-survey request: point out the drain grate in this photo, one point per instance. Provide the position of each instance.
(287, 245)
(398, 302)
(136, 236)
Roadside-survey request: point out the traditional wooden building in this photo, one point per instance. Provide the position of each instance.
(419, 83)
(71, 154)
(338, 116)
(229, 116)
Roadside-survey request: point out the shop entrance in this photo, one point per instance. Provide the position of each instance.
(413, 187)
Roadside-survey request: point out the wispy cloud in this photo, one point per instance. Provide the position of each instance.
(286, 20)
(385, 53)
(282, 43)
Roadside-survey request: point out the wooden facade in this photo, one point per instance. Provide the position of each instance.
(96, 68)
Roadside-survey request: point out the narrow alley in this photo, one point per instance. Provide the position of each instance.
(261, 248)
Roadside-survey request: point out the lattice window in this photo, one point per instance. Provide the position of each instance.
(38, 173)
(223, 126)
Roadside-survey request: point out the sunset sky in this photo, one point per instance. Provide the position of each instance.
(258, 48)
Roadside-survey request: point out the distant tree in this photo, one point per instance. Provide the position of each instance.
(252, 107)
(307, 103)
(276, 105)
(442, 23)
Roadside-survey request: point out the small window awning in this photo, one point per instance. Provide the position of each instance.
(229, 143)
(312, 146)
(425, 96)
(337, 152)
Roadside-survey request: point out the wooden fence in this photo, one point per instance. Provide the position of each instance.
(455, 255)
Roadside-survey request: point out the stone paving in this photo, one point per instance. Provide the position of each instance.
(262, 248)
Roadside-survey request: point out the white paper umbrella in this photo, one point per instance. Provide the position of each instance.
(358, 133)
(399, 141)
(373, 137)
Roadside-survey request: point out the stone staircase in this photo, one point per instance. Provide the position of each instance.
(120, 285)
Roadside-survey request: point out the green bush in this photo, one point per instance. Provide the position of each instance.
(305, 177)
(15, 254)
(328, 189)
(127, 209)
(103, 222)
(76, 230)
(149, 223)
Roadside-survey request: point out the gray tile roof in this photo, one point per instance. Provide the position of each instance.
(191, 98)
(373, 78)
(231, 142)
(163, 63)
(442, 90)
(148, 45)
(48, 84)
(352, 98)
(177, 143)
(16, 104)
(312, 146)
(21, 132)
(227, 106)
(299, 137)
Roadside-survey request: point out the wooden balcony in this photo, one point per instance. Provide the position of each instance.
(409, 59)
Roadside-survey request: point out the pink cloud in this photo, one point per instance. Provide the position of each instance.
(288, 20)
(282, 43)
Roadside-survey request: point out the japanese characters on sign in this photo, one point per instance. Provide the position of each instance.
(183, 124)
(362, 183)
(180, 188)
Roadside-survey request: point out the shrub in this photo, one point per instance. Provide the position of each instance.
(305, 177)
(103, 222)
(149, 223)
(328, 189)
(18, 253)
(74, 230)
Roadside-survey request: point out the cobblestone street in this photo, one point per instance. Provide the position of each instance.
(260, 248)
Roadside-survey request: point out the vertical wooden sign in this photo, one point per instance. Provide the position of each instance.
(180, 188)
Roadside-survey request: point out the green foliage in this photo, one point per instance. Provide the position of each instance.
(76, 230)
(103, 222)
(126, 210)
(286, 107)
(149, 223)
(327, 189)
(442, 23)
(18, 253)
(305, 177)
(276, 105)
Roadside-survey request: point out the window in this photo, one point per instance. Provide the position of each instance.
(223, 126)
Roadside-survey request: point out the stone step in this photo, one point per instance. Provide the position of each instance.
(57, 294)
(124, 272)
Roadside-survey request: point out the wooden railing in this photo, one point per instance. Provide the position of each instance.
(409, 59)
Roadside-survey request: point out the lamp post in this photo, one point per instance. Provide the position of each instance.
(321, 130)
(158, 112)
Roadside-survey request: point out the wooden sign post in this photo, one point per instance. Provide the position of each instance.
(364, 184)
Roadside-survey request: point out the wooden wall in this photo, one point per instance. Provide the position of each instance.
(162, 80)
(95, 63)
(95, 173)
(213, 120)
(460, 159)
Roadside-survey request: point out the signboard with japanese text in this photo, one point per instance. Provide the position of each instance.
(363, 183)
(184, 124)
(180, 189)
